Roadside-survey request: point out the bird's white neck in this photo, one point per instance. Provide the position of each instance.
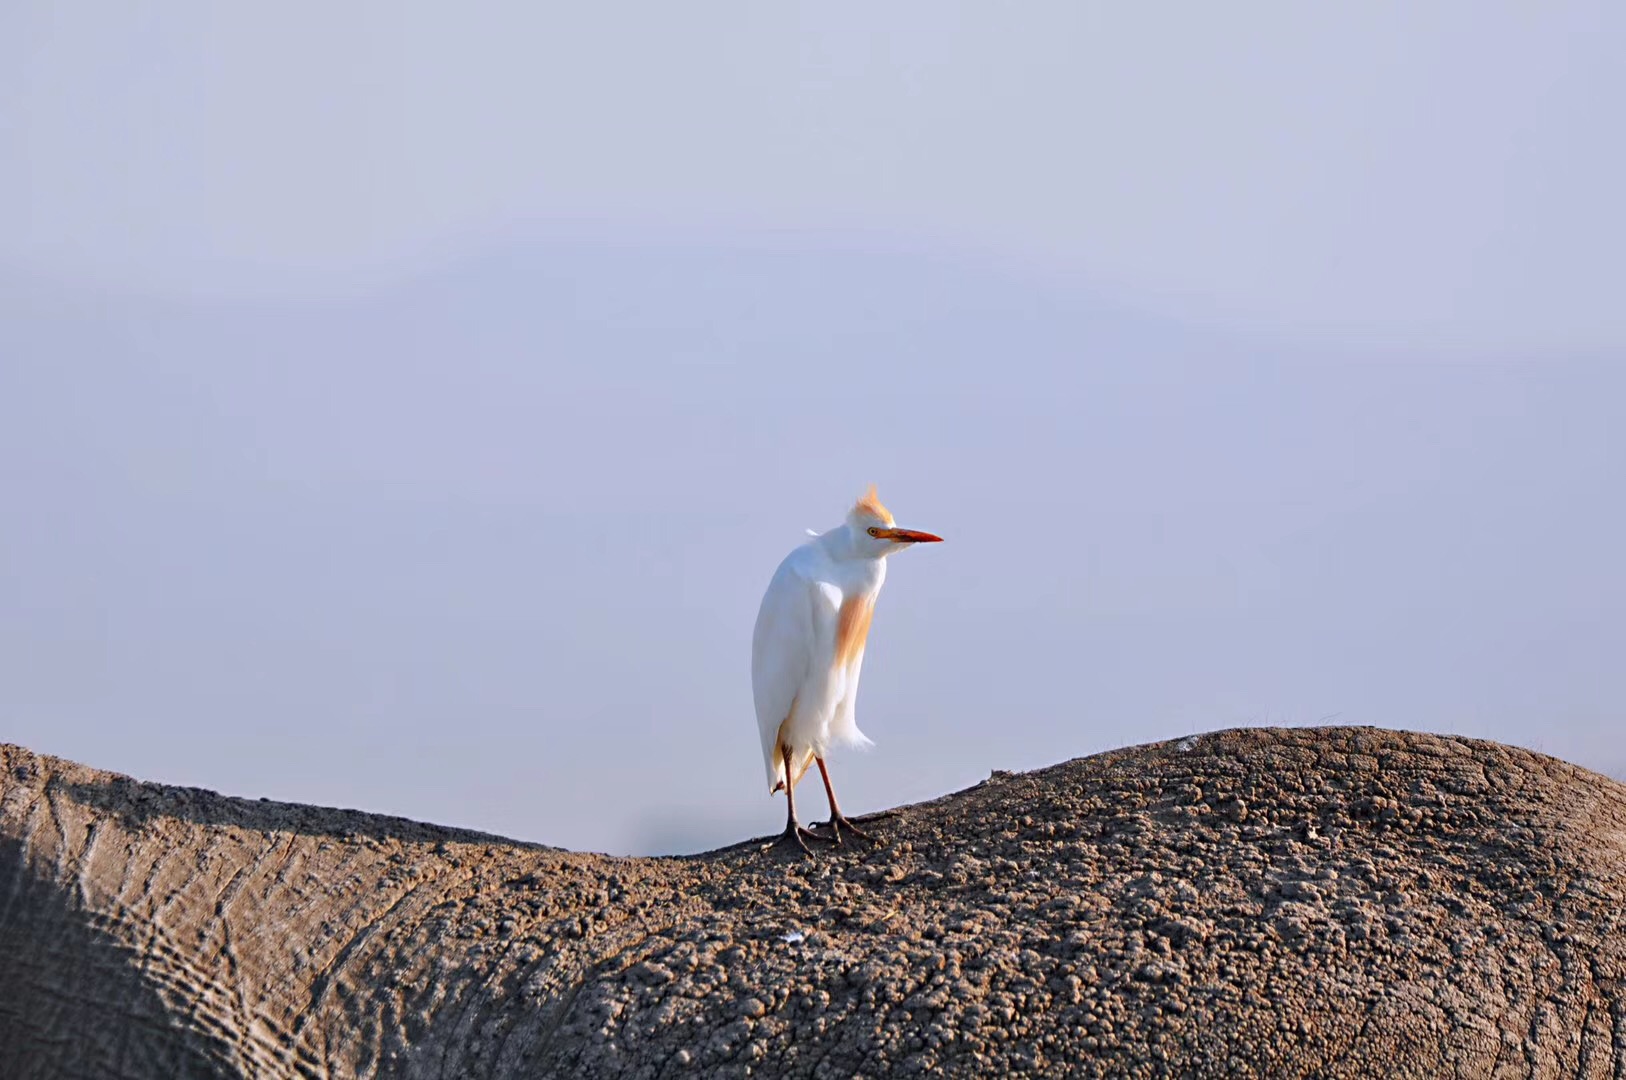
(843, 544)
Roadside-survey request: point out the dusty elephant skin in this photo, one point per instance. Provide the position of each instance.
(1342, 902)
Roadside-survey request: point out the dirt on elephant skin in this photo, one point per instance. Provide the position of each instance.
(1313, 902)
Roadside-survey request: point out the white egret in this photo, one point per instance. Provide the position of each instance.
(808, 648)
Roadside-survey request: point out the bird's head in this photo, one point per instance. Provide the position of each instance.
(875, 534)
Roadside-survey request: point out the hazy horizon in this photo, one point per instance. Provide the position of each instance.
(409, 417)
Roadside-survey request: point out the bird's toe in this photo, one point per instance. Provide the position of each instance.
(846, 826)
(794, 838)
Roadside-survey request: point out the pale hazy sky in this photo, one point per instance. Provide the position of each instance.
(403, 406)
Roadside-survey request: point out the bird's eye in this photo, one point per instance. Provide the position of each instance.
(873, 531)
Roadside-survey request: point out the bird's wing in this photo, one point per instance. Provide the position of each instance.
(782, 650)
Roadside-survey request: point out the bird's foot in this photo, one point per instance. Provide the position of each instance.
(840, 822)
(795, 836)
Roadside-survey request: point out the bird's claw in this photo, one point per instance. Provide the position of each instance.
(837, 823)
(794, 836)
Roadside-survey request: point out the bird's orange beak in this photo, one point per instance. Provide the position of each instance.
(908, 536)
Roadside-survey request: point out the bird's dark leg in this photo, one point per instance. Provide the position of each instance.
(837, 818)
(794, 833)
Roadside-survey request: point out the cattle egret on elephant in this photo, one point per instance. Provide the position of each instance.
(809, 646)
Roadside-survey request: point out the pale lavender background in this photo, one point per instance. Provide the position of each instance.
(403, 406)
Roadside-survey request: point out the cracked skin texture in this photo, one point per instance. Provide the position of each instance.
(1332, 902)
